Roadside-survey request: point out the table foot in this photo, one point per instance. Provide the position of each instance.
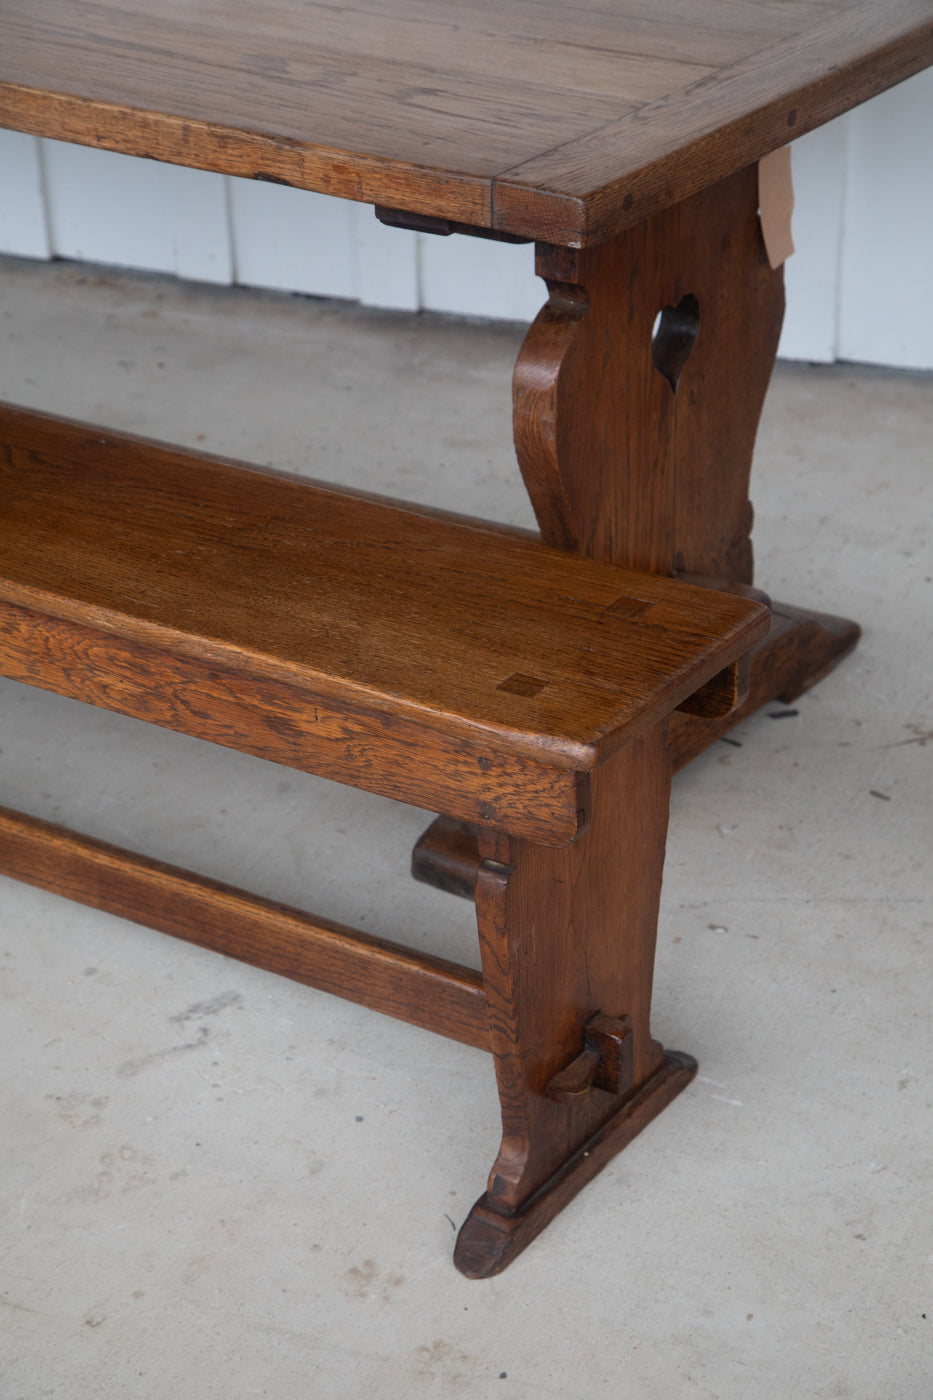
(489, 1240)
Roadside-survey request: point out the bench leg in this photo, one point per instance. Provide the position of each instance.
(568, 940)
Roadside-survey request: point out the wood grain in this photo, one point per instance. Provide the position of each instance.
(557, 122)
(416, 987)
(564, 935)
(437, 660)
(631, 169)
(372, 609)
(489, 1239)
(291, 726)
(620, 465)
(801, 648)
(353, 636)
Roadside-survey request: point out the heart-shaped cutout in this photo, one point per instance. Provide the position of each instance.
(674, 336)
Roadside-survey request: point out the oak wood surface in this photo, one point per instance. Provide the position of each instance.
(799, 650)
(489, 1240)
(562, 122)
(416, 987)
(284, 724)
(636, 446)
(637, 449)
(369, 607)
(564, 935)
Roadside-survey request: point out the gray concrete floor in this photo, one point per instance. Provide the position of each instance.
(216, 1183)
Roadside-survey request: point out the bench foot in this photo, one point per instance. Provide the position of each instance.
(489, 1239)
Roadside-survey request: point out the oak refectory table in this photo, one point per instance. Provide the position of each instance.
(535, 693)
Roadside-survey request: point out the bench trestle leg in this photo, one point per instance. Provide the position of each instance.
(568, 940)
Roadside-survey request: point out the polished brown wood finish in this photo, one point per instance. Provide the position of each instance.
(565, 934)
(504, 682)
(524, 116)
(490, 1239)
(446, 856)
(721, 696)
(402, 652)
(637, 396)
(799, 650)
(620, 463)
(288, 725)
(839, 55)
(395, 630)
(416, 987)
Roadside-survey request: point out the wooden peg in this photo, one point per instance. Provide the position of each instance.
(605, 1062)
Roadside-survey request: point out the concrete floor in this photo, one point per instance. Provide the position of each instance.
(217, 1183)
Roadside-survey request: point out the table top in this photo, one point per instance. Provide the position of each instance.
(562, 120)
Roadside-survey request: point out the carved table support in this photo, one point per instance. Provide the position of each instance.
(637, 396)
(637, 446)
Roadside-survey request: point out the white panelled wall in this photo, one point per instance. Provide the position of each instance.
(859, 286)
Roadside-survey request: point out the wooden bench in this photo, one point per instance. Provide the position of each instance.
(445, 662)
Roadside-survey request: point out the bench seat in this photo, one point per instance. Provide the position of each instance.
(441, 661)
(447, 662)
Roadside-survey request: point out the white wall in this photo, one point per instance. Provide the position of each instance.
(859, 286)
(861, 282)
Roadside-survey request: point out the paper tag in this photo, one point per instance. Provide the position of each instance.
(776, 204)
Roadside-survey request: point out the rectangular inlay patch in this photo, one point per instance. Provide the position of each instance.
(519, 684)
(627, 607)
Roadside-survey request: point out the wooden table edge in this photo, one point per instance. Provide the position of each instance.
(626, 174)
(525, 202)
